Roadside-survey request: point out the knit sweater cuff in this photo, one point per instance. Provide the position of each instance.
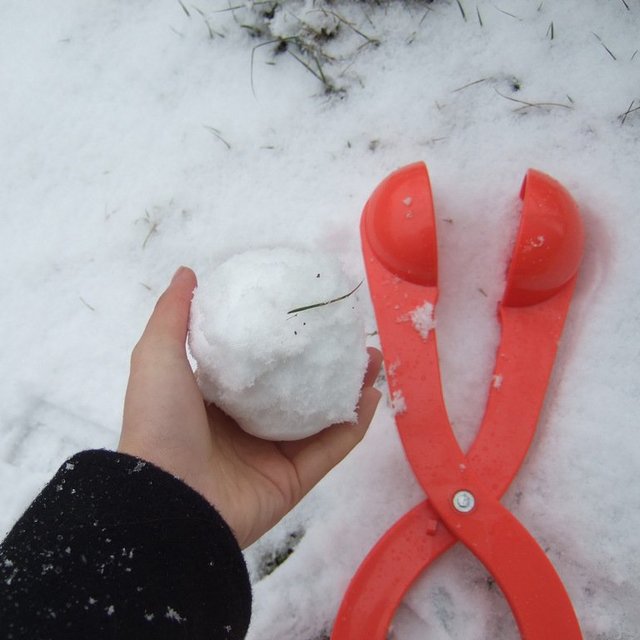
(116, 547)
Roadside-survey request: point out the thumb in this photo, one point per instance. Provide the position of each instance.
(169, 322)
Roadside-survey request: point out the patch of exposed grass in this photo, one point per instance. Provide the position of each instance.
(317, 34)
(274, 558)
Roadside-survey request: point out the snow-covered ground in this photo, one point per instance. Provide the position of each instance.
(132, 142)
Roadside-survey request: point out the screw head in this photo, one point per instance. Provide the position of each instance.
(464, 501)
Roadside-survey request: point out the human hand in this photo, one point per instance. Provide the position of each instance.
(253, 483)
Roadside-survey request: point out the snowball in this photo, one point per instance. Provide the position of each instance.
(280, 375)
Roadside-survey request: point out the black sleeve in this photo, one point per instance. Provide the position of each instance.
(116, 548)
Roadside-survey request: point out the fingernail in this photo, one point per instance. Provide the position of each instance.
(177, 274)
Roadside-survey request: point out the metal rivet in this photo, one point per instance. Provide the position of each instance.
(464, 501)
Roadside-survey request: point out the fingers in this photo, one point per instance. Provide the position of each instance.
(162, 400)
(169, 322)
(314, 457)
(373, 369)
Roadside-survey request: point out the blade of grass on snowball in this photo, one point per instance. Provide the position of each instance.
(323, 304)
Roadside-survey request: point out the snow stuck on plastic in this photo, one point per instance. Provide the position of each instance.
(422, 319)
(398, 403)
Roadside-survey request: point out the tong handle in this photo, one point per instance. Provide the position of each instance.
(465, 490)
(388, 571)
(533, 589)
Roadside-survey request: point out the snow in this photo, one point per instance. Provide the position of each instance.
(422, 319)
(398, 402)
(277, 344)
(172, 614)
(111, 179)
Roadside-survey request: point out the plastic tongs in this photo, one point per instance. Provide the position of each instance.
(399, 245)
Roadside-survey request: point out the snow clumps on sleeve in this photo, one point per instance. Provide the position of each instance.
(280, 375)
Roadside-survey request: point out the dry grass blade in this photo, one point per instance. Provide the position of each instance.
(217, 134)
(210, 29)
(630, 109)
(337, 16)
(527, 105)
(237, 7)
(426, 13)
(308, 67)
(184, 8)
(319, 74)
(86, 304)
(605, 46)
(253, 53)
(551, 31)
(153, 227)
(469, 84)
(324, 304)
(506, 13)
(464, 15)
